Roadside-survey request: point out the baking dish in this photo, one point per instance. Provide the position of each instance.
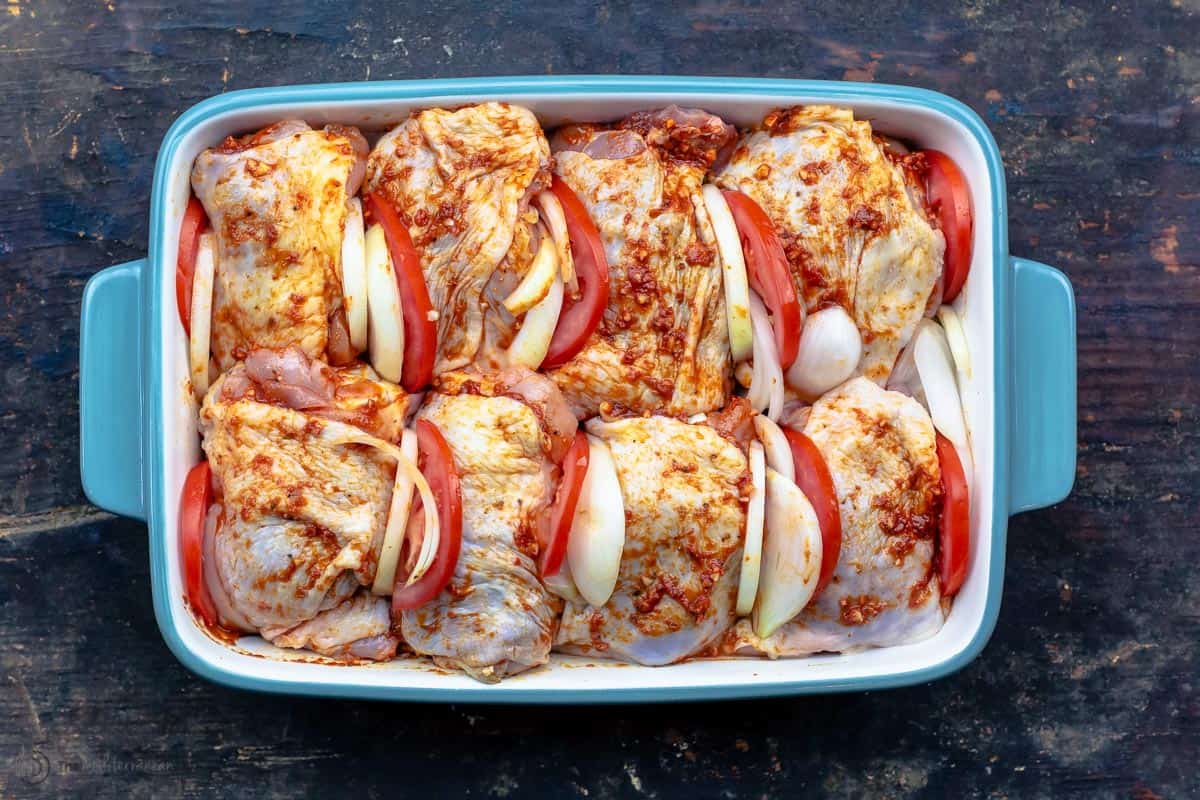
(138, 429)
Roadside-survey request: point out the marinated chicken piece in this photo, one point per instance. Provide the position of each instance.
(662, 344)
(463, 181)
(353, 394)
(359, 628)
(685, 489)
(277, 201)
(302, 502)
(851, 219)
(506, 431)
(880, 449)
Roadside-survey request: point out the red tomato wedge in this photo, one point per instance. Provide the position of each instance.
(194, 223)
(813, 478)
(574, 466)
(420, 331)
(193, 509)
(580, 315)
(949, 199)
(954, 542)
(768, 272)
(436, 462)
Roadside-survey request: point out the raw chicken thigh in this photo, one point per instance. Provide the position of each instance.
(662, 343)
(684, 488)
(277, 201)
(302, 504)
(463, 180)
(851, 219)
(879, 446)
(507, 432)
(359, 628)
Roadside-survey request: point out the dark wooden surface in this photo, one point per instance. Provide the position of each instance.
(1089, 686)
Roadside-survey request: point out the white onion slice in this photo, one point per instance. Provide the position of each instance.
(354, 275)
(335, 432)
(385, 319)
(791, 560)
(537, 281)
(532, 342)
(199, 343)
(956, 337)
(925, 370)
(551, 212)
(830, 349)
(766, 384)
(776, 447)
(737, 285)
(393, 537)
(597, 535)
(752, 546)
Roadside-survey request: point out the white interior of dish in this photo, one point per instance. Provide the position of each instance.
(922, 126)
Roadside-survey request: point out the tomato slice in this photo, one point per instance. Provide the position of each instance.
(554, 545)
(813, 478)
(580, 315)
(955, 539)
(194, 223)
(768, 272)
(437, 464)
(420, 331)
(949, 199)
(193, 508)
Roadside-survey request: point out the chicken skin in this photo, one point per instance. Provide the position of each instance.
(662, 344)
(851, 219)
(301, 503)
(879, 446)
(507, 432)
(685, 489)
(277, 201)
(463, 180)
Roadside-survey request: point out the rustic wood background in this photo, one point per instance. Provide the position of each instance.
(1089, 686)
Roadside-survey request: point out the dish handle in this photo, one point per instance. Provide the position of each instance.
(110, 390)
(1043, 376)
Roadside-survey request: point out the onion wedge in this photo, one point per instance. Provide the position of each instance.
(752, 546)
(737, 284)
(766, 384)
(830, 349)
(776, 447)
(532, 342)
(551, 211)
(202, 300)
(537, 281)
(956, 338)
(925, 370)
(393, 537)
(385, 320)
(597, 535)
(354, 275)
(791, 559)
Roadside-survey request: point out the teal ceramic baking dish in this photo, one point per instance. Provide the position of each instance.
(139, 437)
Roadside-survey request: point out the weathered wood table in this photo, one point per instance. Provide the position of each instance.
(1090, 686)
